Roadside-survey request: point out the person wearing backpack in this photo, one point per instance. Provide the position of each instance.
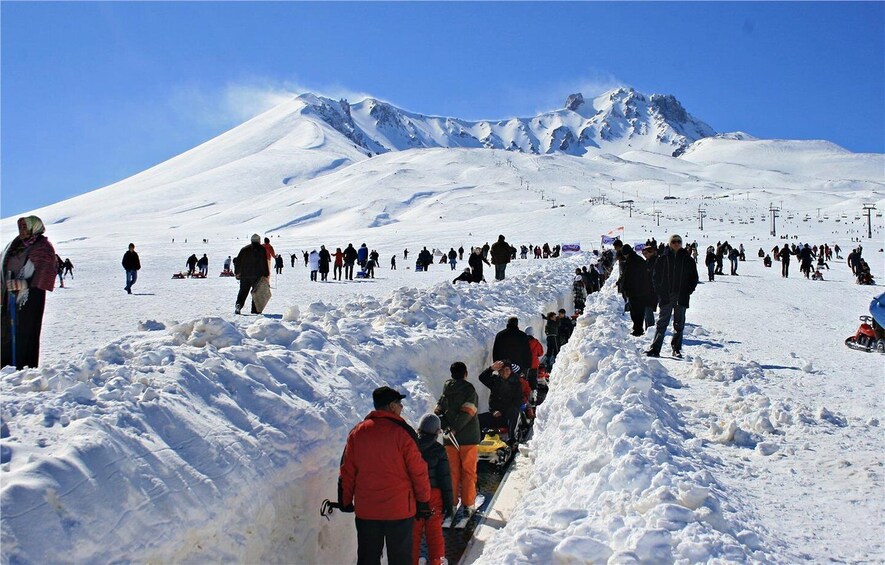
(457, 409)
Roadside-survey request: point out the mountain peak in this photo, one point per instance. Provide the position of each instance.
(574, 101)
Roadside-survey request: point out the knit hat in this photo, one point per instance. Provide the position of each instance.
(529, 331)
(256, 238)
(429, 424)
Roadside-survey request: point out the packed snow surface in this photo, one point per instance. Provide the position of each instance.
(161, 427)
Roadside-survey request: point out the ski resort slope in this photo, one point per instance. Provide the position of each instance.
(216, 438)
(161, 427)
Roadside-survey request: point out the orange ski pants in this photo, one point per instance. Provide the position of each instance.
(462, 466)
(432, 528)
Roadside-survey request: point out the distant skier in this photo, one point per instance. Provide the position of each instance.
(453, 258)
(69, 268)
(278, 264)
(292, 258)
(393, 263)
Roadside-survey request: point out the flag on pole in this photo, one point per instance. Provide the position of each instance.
(612, 235)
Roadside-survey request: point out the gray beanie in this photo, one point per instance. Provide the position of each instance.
(256, 238)
(429, 424)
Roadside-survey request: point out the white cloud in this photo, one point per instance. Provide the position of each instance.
(237, 102)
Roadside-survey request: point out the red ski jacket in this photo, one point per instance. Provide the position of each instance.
(383, 473)
(537, 351)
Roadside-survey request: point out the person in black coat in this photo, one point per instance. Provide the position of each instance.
(350, 257)
(131, 265)
(250, 265)
(636, 287)
(675, 279)
(512, 343)
(325, 261)
(505, 396)
(475, 261)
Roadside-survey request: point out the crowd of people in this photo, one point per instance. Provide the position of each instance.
(405, 496)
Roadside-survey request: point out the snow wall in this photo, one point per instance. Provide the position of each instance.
(616, 476)
(212, 441)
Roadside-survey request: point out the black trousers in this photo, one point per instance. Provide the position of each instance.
(28, 325)
(246, 286)
(637, 314)
(371, 536)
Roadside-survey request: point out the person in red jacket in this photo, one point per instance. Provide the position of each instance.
(537, 352)
(383, 478)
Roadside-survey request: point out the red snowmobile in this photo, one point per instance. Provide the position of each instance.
(870, 336)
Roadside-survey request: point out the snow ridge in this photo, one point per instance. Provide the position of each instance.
(214, 441)
(637, 485)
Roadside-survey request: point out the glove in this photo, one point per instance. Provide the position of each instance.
(346, 509)
(424, 512)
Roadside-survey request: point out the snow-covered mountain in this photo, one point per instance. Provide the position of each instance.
(313, 163)
(617, 120)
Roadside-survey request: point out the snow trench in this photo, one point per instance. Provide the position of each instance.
(616, 477)
(216, 441)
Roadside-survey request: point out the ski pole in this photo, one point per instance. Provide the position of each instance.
(11, 304)
(451, 437)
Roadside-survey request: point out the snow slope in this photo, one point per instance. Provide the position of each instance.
(161, 427)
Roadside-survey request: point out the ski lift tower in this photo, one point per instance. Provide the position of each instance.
(868, 208)
(701, 215)
(773, 210)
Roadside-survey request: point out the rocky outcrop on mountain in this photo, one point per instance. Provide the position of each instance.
(619, 120)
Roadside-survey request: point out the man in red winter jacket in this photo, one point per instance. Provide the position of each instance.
(384, 480)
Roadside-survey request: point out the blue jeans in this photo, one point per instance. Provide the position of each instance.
(678, 313)
(131, 277)
(499, 271)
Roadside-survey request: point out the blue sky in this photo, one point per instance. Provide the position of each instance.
(95, 92)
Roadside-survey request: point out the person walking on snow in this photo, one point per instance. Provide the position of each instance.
(249, 268)
(27, 273)
(675, 279)
(383, 479)
(457, 409)
(131, 265)
(314, 260)
(203, 265)
(350, 257)
(441, 502)
(191, 264)
(501, 253)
